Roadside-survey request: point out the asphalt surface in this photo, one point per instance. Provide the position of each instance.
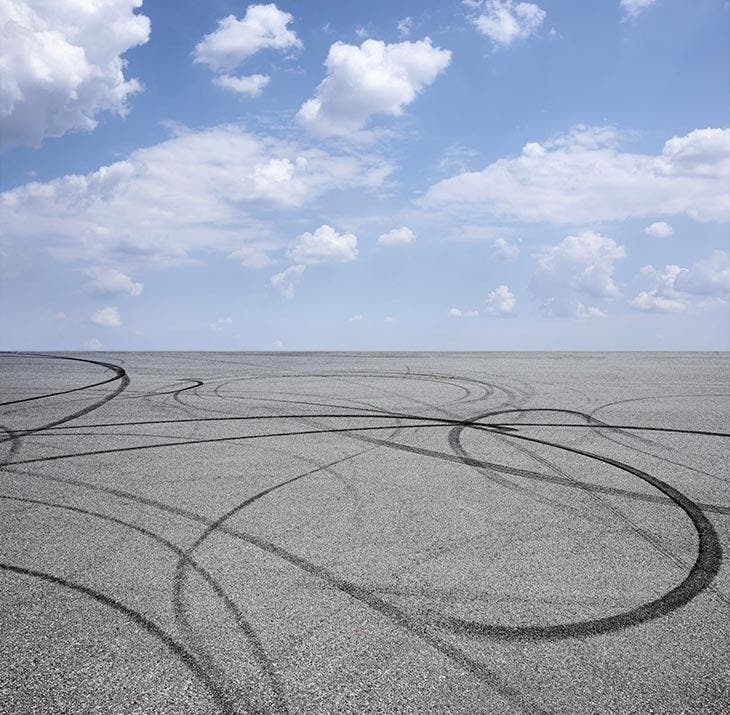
(364, 532)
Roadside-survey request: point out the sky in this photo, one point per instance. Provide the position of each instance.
(401, 175)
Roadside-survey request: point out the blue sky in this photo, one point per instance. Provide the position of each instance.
(385, 175)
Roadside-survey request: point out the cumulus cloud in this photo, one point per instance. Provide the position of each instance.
(355, 318)
(504, 21)
(459, 313)
(374, 78)
(633, 8)
(397, 236)
(107, 317)
(93, 344)
(502, 248)
(234, 40)
(659, 229)
(583, 176)
(252, 85)
(663, 296)
(652, 301)
(287, 281)
(577, 267)
(675, 288)
(501, 302)
(325, 245)
(110, 281)
(61, 65)
(199, 190)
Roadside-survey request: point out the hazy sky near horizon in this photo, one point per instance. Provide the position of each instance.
(440, 174)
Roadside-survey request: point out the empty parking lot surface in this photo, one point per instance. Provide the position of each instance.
(364, 532)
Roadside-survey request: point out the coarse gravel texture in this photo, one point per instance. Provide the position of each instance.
(364, 532)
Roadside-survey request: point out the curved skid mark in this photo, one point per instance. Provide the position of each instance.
(493, 475)
(258, 651)
(703, 572)
(115, 368)
(121, 375)
(178, 650)
(185, 559)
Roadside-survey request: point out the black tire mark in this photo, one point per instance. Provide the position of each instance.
(115, 368)
(606, 425)
(14, 440)
(703, 572)
(185, 560)
(182, 654)
(257, 648)
(494, 476)
(121, 375)
(197, 383)
(636, 529)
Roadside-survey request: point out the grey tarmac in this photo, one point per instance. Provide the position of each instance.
(364, 532)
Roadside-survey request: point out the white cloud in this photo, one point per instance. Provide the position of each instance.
(504, 21)
(589, 311)
(374, 78)
(60, 315)
(501, 302)
(252, 85)
(675, 288)
(710, 276)
(504, 249)
(578, 266)
(659, 229)
(355, 319)
(153, 207)
(584, 177)
(397, 236)
(652, 301)
(325, 245)
(389, 319)
(251, 256)
(110, 281)
(234, 40)
(458, 313)
(633, 8)
(107, 317)
(62, 65)
(404, 27)
(287, 281)
(93, 344)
